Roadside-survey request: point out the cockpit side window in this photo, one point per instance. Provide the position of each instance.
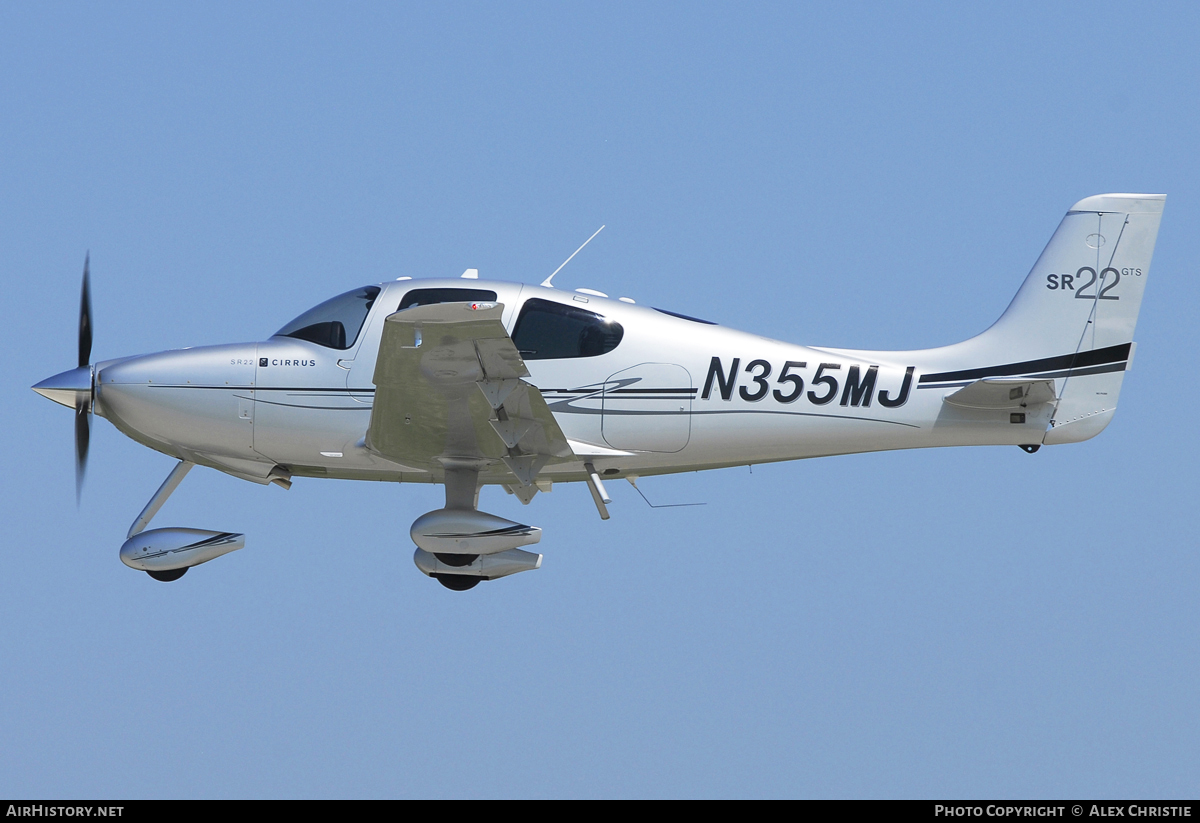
(335, 323)
(426, 297)
(549, 331)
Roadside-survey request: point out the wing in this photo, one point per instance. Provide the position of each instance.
(449, 388)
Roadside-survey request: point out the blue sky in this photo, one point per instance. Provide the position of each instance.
(942, 623)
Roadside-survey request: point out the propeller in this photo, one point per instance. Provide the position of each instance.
(83, 402)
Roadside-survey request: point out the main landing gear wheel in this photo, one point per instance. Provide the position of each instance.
(168, 576)
(457, 582)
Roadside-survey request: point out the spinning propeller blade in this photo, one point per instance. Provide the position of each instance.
(85, 317)
(83, 403)
(82, 436)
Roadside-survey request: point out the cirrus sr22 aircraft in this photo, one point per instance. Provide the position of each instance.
(470, 382)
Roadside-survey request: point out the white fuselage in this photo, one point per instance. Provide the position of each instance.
(675, 395)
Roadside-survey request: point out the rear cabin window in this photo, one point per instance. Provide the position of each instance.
(550, 331)
(335, 323)
(427, 297)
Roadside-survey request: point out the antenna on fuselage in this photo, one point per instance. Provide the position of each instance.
(633, 479)
(546, 282)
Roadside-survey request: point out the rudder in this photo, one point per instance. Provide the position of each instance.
(1088, 399)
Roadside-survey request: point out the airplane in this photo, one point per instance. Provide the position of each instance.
(466, 382)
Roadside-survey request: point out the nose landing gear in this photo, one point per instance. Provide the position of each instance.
(167, 554)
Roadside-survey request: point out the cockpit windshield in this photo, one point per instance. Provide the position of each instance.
(335, 323)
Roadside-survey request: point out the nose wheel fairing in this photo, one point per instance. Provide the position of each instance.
(167, 554)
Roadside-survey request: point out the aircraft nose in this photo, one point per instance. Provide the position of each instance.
(66, 387)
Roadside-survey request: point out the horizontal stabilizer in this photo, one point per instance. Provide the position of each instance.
(1003, 393)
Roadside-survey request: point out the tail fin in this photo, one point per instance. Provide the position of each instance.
(1074, 317)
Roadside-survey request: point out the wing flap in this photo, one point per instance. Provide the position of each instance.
(449, 386)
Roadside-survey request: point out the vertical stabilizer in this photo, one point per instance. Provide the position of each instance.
(1074, 317)
(1085, 290)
